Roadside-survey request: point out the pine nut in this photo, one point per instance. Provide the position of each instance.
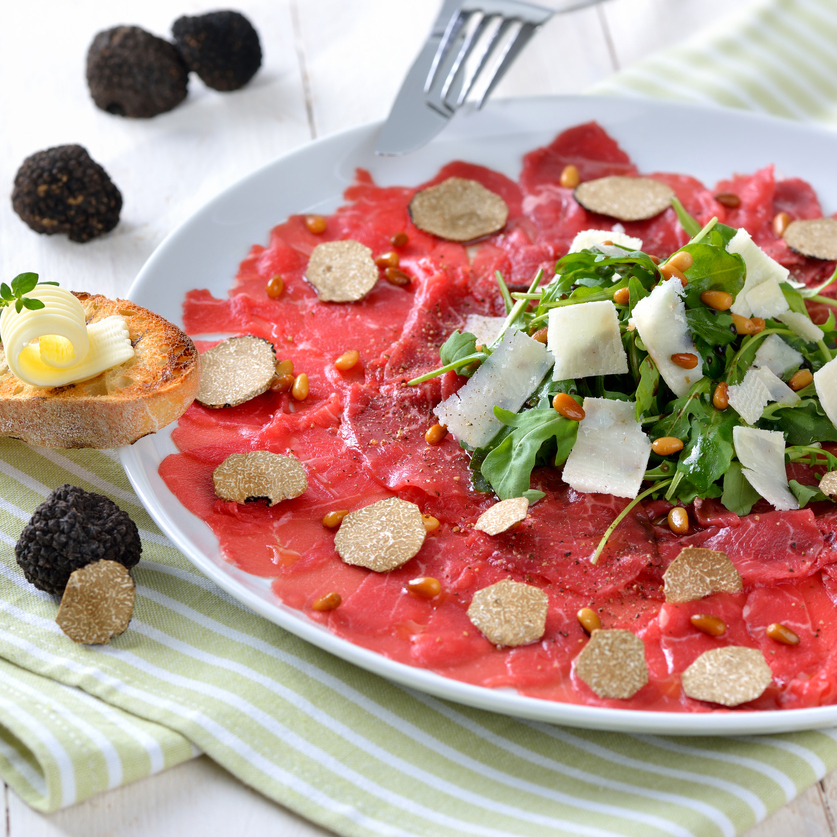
(678, 520)
(666, 445)
(729, 200)
(570, 177)
(719, 300)
(711, 625)
(670, 271)
(299, 390)
(426, 587)
(540, 335)
(747, 325)
(431, 524)
(274, 287)
(780, 223)
(328, 602)
(799, 380)
(782, 633)
(720, 397)
(589, 620)
(390, 259)
(283, 380)
(567, 406)
(400, 239)
(682, 260)
(622, 296)
(348, 360)
(396, 276)
(333, 519)
(685, 360)
(316, 224)
(282, 383)
(435, 434)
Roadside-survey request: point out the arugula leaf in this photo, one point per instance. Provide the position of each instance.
(738, 496)
(806, 493)
(805, 423)
(712, 269)
(677, 421)
(689, 224)
(457, 346)
(646, 391)
(508, 467)
(707, 455)
(714, 327)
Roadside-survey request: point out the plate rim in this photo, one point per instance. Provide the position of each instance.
(713, 722)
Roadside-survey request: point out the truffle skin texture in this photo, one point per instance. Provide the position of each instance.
(70, 529)
(63, 190)
(131, 72)
(221, 47)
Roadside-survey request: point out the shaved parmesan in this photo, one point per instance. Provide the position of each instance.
(761, 270)
(767, 300)
(825, 382)
(506, 379)
(801, 326)
(777, 355)
(485, 329)
(588, 239)
(759, 387)
(585, 341)
(660, 319)
(611, 452)
(762, 455)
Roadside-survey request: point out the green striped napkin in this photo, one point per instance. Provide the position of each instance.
(197, 672)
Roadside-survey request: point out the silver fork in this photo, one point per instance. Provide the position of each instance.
(498, 28)
(471, 41)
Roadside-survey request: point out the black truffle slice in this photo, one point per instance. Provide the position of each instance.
(63, 190)
(131, 72)
(70, 529)
(221, 47)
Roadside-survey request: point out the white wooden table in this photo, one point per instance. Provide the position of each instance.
(329, 65)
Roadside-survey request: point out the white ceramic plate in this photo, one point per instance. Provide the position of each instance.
(205, 253)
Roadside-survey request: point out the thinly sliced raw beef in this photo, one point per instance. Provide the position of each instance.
(360, 436)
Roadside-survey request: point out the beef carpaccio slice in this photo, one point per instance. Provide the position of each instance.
(360, 436)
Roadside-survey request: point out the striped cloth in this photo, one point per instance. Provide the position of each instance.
(197, 672)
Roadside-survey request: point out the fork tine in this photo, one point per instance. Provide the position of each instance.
(512, 49)
(459, 63)
(453, 28)
(482, 59)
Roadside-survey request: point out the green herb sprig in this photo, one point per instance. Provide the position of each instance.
(22, 284)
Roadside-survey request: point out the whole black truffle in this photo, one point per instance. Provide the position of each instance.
(70, 529)
(221, 47)
(131, 72)
(63, 190)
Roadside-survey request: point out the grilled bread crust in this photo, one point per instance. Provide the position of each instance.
(118, 406)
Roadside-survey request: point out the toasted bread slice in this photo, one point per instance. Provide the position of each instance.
(120, 405)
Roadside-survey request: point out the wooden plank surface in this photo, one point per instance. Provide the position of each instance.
(329, 65)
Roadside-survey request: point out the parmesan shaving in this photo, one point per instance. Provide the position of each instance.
(589, 239)
(585, 341)
(762, 455)
(485, 329)
(777, 355)
(825, 382)
(506, 379)
(759, 387)
(801, 326)
(660, 319)
(611, 452)
(761, 270)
